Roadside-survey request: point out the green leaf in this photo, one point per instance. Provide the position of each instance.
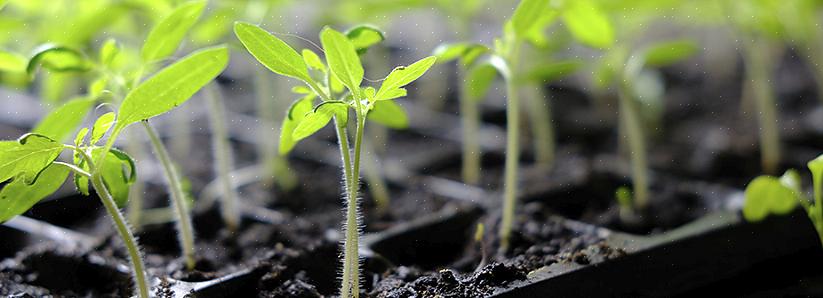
(12, 62)
(466, 52)
(766, 195)
(536, 35)
(101, 126)
(214, 26)
(301, 90)
(478, 81)
(63, 121)
(588, 24)
(17, 197)
(272, 52)
(172, 86)
(365, 36)
(294, 116)
(119, 172)
(58, 58)
(312, 60)
(27, 156)
(816, 167)
(667, 53)
(342, 59)
(165, 37)
(98, 86)
(527, 14)
(80, 138)
(109, 51)
(318, 118)
(390, 114)
(394, 94)
(551, 71)
(403, 75)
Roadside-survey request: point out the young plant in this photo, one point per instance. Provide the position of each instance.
(342, 69)
(31, 161)
(766, 195)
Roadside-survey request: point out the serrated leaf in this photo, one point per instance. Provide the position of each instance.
(402, 76)
(766, 195)
(60, 123)
(318, 118)
(57, 58)
(172, 86)
(101, 126)
(390, 114)
(27, 156)
(526, 15)
(588, 24)
(479, 80)
(272, 52)
(342, 59)
(17, 197)
(312, 60)
(294, 116)
(666, 53)
(365, 36)
(12, 62)
(551, 71)
(165, 37)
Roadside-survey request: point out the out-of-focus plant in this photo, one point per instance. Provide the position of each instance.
(342, 69)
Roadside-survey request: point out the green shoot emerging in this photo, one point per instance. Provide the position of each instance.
(304, 118)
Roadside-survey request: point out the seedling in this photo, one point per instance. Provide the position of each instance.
(767, 195)
(342, 69)
(31, 161)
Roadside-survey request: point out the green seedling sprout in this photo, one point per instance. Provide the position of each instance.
(31, 161)
(342, 69)
(479, 232)
(767, 195)
(626, 71)
(624, 202)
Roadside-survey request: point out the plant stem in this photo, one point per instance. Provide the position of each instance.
(633, 132)
(277, 167)
(377, 186)
(512, 151)
(542, 127)
(185, 232)
(138, 268)
(350, 260)
(759, 63)
(470, 121)
(222, 156)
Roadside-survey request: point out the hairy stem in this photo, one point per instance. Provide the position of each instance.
(349, 286)
(470, 121)
(512, 153)
(633, 132)
(185, 232)
(542, 127)
(222, 156)
(138, 268)
(759, 64)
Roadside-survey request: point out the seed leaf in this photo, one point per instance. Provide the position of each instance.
(402, 76)
(27, 156)
(526, 15)
(364, 36)
(342, 59)
(294, 116)
(172, 86)
(390, 114)
(317, 119)
(588, 24)
(101, 126)
(165, 37)
(12, 62)
(57, 58)
(767, 195)
(478, 81)
(17, 196)
(272, 52)
(667, 53)
(60, 123)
